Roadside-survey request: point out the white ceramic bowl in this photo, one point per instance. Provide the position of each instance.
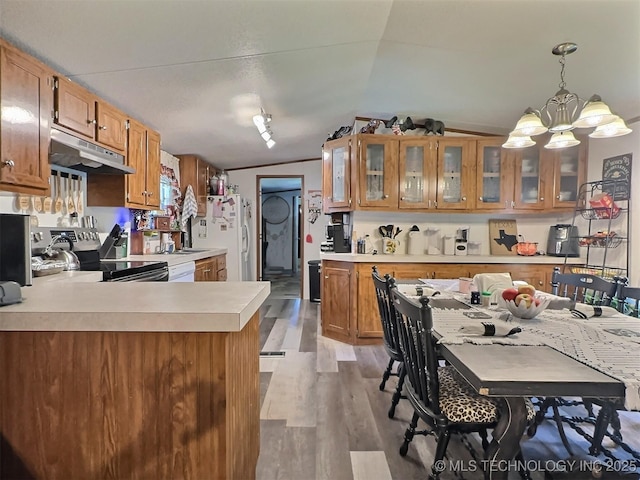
(524, 312)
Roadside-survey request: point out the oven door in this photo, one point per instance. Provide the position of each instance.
(157, 275)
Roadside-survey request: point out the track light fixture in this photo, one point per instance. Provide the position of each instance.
(261, 122)
(563, 112)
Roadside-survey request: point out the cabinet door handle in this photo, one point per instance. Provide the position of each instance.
(402, 198)
(102, 127)
(513, 204)
(542, 199)
(558, 197)
(326, 276)
(480, 198)
(464, 199)
(91, 122)
(149, 193)
(385, 196)
(9, 163)
(206, 271)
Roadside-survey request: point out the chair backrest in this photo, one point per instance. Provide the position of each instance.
(626, 293)
(583, 287)
(418, 347)
(387, 313)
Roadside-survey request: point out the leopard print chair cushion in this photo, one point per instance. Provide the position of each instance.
(460, 403)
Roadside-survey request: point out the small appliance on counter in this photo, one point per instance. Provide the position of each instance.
(15, 248)
(563, 241)
(337, 236)
(415, 241)
(462, 239)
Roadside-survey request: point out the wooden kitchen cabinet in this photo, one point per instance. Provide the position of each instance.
(416, 183)
(25, 95)
(337, 293)
(456, 173)
(569, 172)
(139, 190)
(377, 172)
(336, 175)
(509, 179)
(212, 269)
(81, 112)
(196, 172)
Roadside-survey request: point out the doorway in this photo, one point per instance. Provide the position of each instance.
(280, 223)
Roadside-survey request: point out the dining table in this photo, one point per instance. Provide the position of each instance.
(554, 355)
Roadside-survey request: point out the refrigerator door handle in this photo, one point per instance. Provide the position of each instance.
(245, 240)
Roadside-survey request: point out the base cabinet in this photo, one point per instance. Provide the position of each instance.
(349, 307)
(212, 269)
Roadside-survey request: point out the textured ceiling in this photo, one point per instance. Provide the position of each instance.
(197, 71)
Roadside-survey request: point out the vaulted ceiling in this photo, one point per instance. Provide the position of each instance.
(197, 71)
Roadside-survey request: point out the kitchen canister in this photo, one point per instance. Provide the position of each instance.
(415, 243)
(390, 245)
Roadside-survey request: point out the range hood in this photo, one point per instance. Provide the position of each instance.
(72, 152)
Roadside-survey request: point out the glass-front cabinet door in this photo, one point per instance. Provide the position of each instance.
(494, 181)
(378, 171)
(456, 172)
(569, 173)
(529, 179)
(417, 174)
(336, 178)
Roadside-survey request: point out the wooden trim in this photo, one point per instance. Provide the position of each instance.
(273, 165)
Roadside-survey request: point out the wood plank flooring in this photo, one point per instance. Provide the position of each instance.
(323, 416)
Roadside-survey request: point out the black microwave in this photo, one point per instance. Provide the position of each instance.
(15, 248)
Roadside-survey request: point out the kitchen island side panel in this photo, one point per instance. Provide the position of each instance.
(107, 405)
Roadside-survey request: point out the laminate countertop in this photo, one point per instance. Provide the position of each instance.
(403, 258)
(86, 305)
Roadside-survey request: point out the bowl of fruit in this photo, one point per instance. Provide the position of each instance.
(523, 303)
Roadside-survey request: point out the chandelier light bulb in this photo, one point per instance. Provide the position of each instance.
(517, 141)
(562, 140)
(595, 113)
(529, 125)
(617, 128)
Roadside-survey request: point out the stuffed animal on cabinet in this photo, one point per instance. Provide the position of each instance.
(433, 126)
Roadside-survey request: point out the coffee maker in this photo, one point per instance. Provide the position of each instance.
(462, 240)
(337, 239)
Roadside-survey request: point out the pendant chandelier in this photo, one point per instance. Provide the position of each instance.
(563, 112)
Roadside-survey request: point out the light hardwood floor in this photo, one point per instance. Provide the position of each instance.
(323, 416)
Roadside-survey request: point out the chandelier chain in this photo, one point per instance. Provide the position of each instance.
(562, 82)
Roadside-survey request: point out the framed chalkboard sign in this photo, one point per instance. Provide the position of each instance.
(616, 176)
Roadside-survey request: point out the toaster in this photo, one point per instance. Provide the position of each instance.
(563, 241)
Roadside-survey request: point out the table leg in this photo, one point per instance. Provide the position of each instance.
(506, 438)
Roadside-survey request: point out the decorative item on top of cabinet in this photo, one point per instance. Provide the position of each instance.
(196, 172)
(81, 112)
(25, 86)
(140, 190)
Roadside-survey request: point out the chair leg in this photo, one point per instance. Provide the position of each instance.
(386, 374)
(397, 395)
(589, 406)
(441, 449)
(485, 438)
(545, 404)
(602, 422)
(408, 435)
(558, 420)
(615, 424)
(524, 471)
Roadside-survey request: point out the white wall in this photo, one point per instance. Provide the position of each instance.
(311, 172)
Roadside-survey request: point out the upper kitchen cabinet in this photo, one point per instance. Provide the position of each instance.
(456, 173)
(377, 172)
(417, 183)
(140, 190)
(509, 179)
(81, 112)
(569, 172)
(336, 175)
(26, 102)
(196, 172)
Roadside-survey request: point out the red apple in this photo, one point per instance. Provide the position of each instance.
(509, 294)
(524, 297)
(536, 301)
(529, 289)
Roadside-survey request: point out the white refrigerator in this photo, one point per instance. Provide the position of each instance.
(227, 224)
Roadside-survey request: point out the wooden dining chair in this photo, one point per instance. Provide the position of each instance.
(608, 414)
(583, 287)
(440, 396)
(389, 336)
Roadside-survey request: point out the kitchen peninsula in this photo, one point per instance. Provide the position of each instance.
(349, 306)
(131, 380)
